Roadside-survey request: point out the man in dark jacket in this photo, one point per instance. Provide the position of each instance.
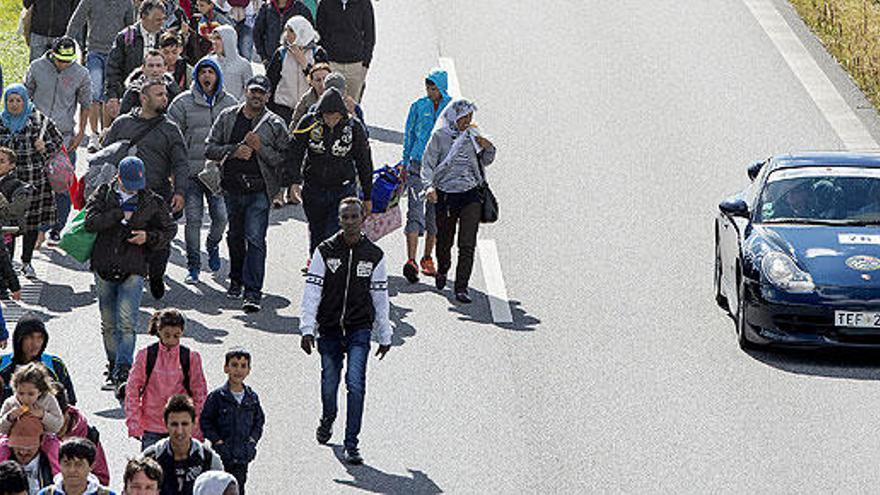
(48, 22)
(268, 26)
(153, 68)
(130, 222)
(29, 341)
(128, 51)
(163, 152)
(348, 33)
(344, 303)
(334, 146)
(250, 141)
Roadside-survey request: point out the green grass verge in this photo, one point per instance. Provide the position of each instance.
(850, 29)
(14, 52)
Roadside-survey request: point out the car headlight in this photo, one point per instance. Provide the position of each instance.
(782, 272)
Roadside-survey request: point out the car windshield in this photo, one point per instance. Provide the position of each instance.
(821, 195)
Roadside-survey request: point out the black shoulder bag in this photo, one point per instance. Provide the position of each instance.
(489, 213)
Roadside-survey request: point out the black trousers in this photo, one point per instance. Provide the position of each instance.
(461, 211)
(28, 245)
(239, 472)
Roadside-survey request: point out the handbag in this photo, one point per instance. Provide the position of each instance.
(76, 240)
(489, 212)
(59, 169)
(378, 225)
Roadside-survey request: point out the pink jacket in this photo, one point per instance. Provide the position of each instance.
(80, 428)
(144, 412)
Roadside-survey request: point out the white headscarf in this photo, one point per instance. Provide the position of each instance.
(455, 110)
(305, 33)
(213, 483)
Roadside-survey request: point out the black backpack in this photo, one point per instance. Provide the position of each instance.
(153, 355)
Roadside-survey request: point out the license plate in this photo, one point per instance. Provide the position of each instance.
(857, 319)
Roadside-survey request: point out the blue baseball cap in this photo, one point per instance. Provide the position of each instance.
(131, 173)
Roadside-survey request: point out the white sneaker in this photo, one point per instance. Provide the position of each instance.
(28, 271)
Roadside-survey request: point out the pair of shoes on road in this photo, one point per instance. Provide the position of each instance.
(234, 291)
(463, 297)
(192, 277)
(109, 379)
(428, 268)
(440, 281)
(323, 434)
(27, 270)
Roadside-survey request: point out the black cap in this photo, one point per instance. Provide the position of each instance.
(259, 82)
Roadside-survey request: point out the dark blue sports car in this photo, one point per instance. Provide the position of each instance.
(797, 253)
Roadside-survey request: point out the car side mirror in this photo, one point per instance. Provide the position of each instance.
(734, 207)
(755, 169)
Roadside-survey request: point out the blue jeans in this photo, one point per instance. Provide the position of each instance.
(119, 303)
(40, 45)
(333, 351)
(245, 31)
(96, 63)
(321, 207)
(151, 437)
(248, 216)
(194, 212)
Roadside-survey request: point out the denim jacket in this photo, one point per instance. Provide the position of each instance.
(239, 426)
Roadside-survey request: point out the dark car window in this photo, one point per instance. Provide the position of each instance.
(833, 195)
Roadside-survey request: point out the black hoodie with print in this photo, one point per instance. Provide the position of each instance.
(26, 326)
(331, 157)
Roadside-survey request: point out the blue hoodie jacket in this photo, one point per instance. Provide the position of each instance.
(422, 116)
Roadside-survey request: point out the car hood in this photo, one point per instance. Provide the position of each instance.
(834, 256)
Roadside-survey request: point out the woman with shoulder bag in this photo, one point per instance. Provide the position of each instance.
(453, 177)
(34, 138)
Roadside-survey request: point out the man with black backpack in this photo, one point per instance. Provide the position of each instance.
(182, 457)
(156, 140)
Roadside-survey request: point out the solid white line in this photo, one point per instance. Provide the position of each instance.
(495, 288)
(496, 291)
(832, 105)
(448, 65)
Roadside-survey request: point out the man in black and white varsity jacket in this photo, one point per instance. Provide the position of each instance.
(345, 298)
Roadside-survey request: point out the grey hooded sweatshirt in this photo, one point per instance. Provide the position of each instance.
(460, 172)
(236, 70)
(195, 112)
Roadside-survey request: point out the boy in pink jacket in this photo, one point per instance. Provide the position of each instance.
(161, 370)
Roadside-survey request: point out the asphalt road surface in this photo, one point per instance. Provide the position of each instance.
(620, 125)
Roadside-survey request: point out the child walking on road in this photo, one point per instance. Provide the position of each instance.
(176, 370)
(233, 417)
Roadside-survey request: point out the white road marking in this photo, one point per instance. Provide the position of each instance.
(448, 65)
(495, 288)
(496, 291)
(832, 105)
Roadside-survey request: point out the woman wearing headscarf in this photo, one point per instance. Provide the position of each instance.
(290, 66)
(452, 176)
(34, 138)
(236, 70)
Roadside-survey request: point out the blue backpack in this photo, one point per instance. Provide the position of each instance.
(387, 186)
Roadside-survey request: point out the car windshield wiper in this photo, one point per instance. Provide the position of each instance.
(822, 221)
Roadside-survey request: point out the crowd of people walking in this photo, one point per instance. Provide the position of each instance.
(162, 99)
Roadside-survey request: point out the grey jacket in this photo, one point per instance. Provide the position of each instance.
(57, 94)
(459, 174)
(162, 150)
(274, 137)
(191, 112)
(105, 19)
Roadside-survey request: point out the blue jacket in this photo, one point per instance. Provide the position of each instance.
(239, 426)
(422, 116)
